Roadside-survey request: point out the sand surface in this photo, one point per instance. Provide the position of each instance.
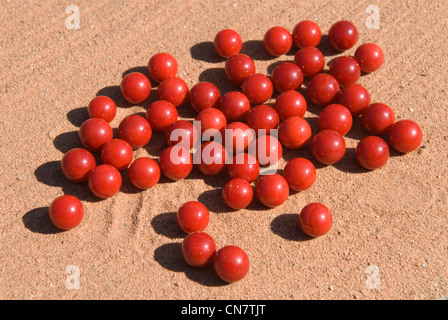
(389, 237)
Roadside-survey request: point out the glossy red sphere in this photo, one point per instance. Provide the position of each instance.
(258, 88)
(370, 57)
(237, 193)
(66, 212)
(310, 60)
(117, 153)
(377, 118)
(174, 90)
(162, 66)
(102, 107)
(135, 87)
(136, 130)
(290, 103)
(76, 164)
(405, 136)
(203, 95)
(343, 35)
(161, 114)
(238, 68)
(198, 249)
(287, 76)
(346, 70)
(328, 147)
(144, 173)
(182, 133)
(262, 117)
(306, 33)
(235, 106)
(95, 132)
(355, 98)
(211, 120)
(105, 181)
(245, 166)
(211, 158)
(227, 43)
(193, 216)
(231, 263)
(277, 41)
(294, 132)
(372, 152)
(176, 162)
(322, 89)
(272, 190)
(335, 117)
(300, 174)
(237, 136)
(315, 219)
(268, 150)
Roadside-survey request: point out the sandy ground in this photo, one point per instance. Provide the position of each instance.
(389, 238)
